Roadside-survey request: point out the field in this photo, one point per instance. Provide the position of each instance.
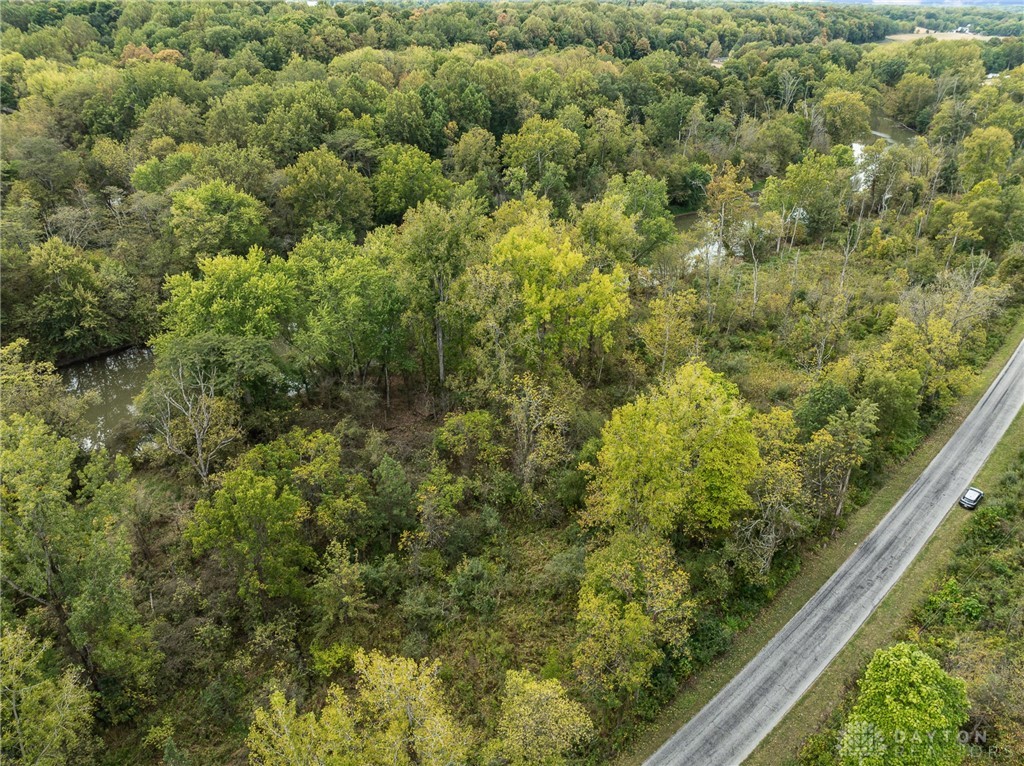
(920, 34)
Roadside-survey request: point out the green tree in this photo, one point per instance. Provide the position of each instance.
(405, 717)
(157, 173)
(280, 736)
(779, 142)
(610, 140)
(566, 304)
(908, 712)
(236, 295)
(141, 84)
(726, 215)
(36, 388)
(486, 302)
(355, 320)
(475, 159)
(540, 157)
(339, 598)
(255, 530)
(833, 453)
(985, 154)
(310, 464)
(248, 168)
(616, 647)
(435, 246)
(727, 207)
(913, 100)
(847, 117)
(398, 718)
(216, 217)
(393, 495)
(65, 549)
(298, 125)
(779, 513)
(404, 121)
(646, 197)
(45, 719)
(406, 177)
(609, 233)
(323, 189)
(814, 408)
(813, 193)
(943, 374)
(896, 391)
(538, 723)
(685, 180)
(168, 115)
(668, 120)
(70, 303)
(668, 333)
(679, 457)
(642, 569)
(47, 167)
(539, 420)
(989, 210)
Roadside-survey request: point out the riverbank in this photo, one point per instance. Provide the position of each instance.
(94, 356)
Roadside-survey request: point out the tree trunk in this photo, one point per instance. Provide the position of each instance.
(439, 334)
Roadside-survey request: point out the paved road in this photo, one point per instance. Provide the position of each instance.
(729, 727)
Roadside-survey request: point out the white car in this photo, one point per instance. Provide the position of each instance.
(971, 498)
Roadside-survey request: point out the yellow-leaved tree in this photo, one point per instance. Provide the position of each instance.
(398, 717)
(538, 724)
(680, 458)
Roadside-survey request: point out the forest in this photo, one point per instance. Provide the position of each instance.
(507, 358)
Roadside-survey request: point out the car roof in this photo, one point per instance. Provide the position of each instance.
(973, 491)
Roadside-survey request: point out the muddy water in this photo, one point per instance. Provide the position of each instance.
(885, 127)
(685, 221)
(118, 378)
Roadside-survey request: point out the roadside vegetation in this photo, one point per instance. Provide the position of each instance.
(455, 449)
(965, 633)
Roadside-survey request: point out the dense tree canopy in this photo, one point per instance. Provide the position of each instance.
(909, 711)
(505, 359)
(679, 458)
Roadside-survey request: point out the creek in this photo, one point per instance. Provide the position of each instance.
(117, 378)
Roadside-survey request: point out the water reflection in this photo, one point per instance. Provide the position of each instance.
(882, 127)
(685, 221)
(117, 378)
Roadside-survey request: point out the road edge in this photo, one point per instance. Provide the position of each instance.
(889, 620)
(818, 566)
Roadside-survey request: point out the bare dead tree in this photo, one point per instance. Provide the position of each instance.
(193, 422)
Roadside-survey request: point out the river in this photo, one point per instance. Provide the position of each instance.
(118, 378)
(881, 126)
